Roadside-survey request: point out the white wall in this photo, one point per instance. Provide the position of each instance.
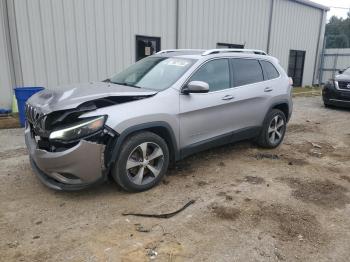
(5, 65)
(66, 41)
(204, 23)
(339, 63)
(70, 41)
(295, 26)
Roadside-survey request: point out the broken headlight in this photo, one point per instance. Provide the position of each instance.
(80, 129)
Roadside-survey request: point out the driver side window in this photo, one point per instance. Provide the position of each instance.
(216, 73)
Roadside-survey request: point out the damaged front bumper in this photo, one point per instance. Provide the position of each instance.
(74, 168)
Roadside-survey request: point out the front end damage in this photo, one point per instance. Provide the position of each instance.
(71, 164)
(70, 169)
(67, 150)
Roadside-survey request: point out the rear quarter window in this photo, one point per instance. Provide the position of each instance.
(246, 71)
(270, 71)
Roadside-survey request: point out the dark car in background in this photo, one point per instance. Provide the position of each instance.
(337, 91)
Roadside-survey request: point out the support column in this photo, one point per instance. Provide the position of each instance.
(270, 26)
(6, 65)
(177, 24)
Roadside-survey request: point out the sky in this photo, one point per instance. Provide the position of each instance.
(335, 3)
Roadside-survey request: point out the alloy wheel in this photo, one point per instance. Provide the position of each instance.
(276, 130)
(144, 163)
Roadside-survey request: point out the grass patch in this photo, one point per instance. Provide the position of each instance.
(307, 91)
(9, 121)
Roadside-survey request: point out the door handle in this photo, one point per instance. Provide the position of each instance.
(268, 89)
(228, 97)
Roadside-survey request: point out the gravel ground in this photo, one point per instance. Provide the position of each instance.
(289, 204)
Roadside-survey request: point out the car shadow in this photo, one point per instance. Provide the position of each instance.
(183, 168)
(335, 108)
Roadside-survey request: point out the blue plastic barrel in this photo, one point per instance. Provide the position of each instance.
(22, 95)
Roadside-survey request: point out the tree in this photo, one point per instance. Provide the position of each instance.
(338, 32)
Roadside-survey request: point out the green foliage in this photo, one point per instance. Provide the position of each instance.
(338, 32)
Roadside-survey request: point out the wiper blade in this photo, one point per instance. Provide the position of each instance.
(124, 84)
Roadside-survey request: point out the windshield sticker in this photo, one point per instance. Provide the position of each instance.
(176, 62)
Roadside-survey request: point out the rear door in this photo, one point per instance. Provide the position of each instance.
(252, 94)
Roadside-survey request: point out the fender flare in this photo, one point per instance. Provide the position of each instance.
(280, 102)
(114, 148)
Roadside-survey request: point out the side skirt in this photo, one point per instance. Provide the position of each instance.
(239, 135)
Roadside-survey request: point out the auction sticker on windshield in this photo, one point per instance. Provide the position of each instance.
(176, 62)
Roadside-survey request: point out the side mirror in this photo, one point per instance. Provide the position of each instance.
(196, 87)
(341, 71)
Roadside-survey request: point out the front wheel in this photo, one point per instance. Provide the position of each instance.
(142, 162)
(326, 105)
(273, 130)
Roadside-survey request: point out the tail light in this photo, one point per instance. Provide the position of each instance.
(290, 81)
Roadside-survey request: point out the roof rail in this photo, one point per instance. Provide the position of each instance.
(234, 50)
(177, 50)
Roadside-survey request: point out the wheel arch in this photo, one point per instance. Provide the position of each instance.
(160, 128)
(283, 106)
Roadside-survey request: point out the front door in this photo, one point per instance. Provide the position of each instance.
(207, 116)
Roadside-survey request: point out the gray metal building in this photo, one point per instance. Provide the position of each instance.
(53, 42)
(334, 59)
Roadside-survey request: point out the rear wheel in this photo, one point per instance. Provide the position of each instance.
(142, 162)
(273, 130)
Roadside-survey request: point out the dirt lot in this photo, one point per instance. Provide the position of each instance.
(289, 204)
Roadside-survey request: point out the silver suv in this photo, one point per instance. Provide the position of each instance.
(158, 111)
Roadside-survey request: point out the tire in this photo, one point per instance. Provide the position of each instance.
(327, 105)
(325, 102)
(142, 162)
(265, 139)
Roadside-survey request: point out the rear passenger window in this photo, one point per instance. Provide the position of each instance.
(270, 72)
(216, 73)
(246, 71)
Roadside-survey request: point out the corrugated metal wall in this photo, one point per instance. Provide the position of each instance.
(204, 23)
(5, 65)
(66, 41)
(71, 41)
(295, 26)
(335, 62)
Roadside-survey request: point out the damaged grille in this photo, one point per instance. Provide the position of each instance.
(36, 118)
(32, 114)
(344, 85)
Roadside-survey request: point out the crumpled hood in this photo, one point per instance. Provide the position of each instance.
(71, 96)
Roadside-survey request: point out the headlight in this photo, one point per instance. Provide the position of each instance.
(80, 129)
(336, 84)
(331, 84)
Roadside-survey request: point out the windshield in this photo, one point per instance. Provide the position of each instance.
(347, 72)
(156, 73)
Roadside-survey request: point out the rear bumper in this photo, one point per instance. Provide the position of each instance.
(72, 169)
